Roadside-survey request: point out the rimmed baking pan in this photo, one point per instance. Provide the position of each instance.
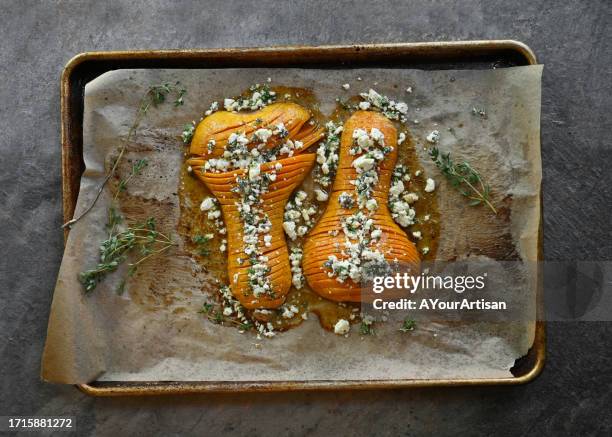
(432, 55)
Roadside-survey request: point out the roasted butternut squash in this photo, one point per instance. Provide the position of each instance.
(356, 234)
(253, 195)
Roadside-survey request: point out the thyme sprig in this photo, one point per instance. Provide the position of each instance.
(143, 238)
(137, 168)
(464, 177)
(366, 328)
(408, 325)
(154, 96)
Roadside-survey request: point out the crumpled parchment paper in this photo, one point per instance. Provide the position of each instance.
(153, 331)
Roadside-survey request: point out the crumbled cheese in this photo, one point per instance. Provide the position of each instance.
(371, 204)
(261, 96)
(397, 188)
(410, 198)
(328, 155)
(401, 138)
(342, 327)
(207, 204)
(297, 278)
(417, 235)
(399, 200)
(321, 195)
(409, 90)
(289, 312)
(300, 196)
(254, 171)
(289, 228)
(346, 86)
(389, 108)
(433, 137)
(214, 214)
(430, 185)
(401, 107)
(364, 106)
(425, 250)
(214, 106)
(188, 132)
(364, 163)
(263, 134)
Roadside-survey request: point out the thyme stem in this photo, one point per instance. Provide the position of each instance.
(463, 174)
(153, 96)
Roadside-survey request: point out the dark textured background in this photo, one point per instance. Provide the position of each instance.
(571, 397)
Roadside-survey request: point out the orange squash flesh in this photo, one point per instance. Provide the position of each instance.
(277, 253)
(220, 125)
(289, 174)
(327, 238)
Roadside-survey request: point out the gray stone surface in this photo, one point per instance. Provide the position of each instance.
(571, 397)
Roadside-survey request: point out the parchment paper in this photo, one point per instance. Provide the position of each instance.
(153, 331)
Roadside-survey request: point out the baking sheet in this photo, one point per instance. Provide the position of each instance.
(154, 332)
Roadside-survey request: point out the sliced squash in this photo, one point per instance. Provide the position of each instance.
(289, 173)
(327, 240)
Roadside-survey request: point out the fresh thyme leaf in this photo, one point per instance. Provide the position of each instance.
(218, 317)
(137, 168)
(188, 131)
(464, 177)
(114, 218)
(115, 249)
(246, 326)
(206, 308)
(408, 325)
(201, 241)
(366, 328)
(179, 98)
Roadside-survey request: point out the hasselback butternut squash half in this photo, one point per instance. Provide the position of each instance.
(356, 238)
(251, 163)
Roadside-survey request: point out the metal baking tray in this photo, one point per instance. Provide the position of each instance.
(428, 55)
